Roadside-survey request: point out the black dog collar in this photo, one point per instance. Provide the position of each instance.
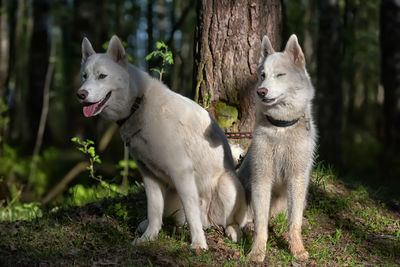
(134, 107)
(281, 123)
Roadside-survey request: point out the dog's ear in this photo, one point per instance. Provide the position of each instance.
(115, 50)
(266, 48)
(87, 49)
(293, 50)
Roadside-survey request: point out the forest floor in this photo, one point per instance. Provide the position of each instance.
(342, 226)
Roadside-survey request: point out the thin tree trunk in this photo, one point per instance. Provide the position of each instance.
(149, 17)
(227, 44)
(390, 69)
(309, 42)
(45, 111)
(390, 49)
(125, 181)
(23, 30)
(329, 96)
(38, 64)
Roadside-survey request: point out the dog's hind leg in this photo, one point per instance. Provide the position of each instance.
(155, 191)
(230, 208)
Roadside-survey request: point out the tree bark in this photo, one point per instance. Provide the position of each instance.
(329, 95)
(227, 44)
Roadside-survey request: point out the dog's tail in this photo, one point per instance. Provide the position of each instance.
(237, 153)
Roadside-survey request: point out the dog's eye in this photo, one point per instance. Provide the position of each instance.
(102, 76)
(280, 75)
(84, 76)
(262, 76)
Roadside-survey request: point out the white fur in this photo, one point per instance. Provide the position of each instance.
(276, 170)
(183, 155)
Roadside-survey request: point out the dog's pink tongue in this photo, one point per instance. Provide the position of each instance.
(88, 111)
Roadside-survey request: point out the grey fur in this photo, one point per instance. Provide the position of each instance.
(276, 170)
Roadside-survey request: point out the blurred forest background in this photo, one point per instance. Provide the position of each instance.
(352, 54)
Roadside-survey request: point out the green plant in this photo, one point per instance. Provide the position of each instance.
(334, 239)
(15, 211)
(280, 223)
(322, 173)
(207, 100)
(87, 148)
(166, 55)
(119, 210)
(122, 164)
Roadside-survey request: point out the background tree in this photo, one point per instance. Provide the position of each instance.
(39, 52)
(228, 40)
(329, 96)
(356, 95)
(4, 46)
(390, 53)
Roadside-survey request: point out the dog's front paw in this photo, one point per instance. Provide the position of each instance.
(138, 241)
(233, 232)
(144, 238)
(256, 256)
(302, 255)
(199, 245)
(296, 246)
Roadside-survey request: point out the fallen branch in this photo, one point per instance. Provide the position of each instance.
(80, 167)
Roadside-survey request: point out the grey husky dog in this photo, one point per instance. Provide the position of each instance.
(276, 170)
(182, 154)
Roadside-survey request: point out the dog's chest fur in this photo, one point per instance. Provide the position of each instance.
(284, 151)
(135, 133)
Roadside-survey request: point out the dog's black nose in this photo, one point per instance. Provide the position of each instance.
(261, 92)
(82, 94)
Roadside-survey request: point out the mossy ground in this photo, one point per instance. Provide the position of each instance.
(341, 227)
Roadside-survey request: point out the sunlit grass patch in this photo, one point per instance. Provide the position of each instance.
(350, 220)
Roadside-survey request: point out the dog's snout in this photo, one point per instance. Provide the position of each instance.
(82, 94)
(261, 92)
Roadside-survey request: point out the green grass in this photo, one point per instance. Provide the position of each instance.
(341, 226)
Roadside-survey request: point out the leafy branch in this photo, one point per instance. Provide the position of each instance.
(163, 52)
(87, 148)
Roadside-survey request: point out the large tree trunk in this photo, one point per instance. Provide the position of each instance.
(329, 96)
(390, 49)
(228, 40)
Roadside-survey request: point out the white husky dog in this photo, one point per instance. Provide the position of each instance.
(276, 170)
(182, 154)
